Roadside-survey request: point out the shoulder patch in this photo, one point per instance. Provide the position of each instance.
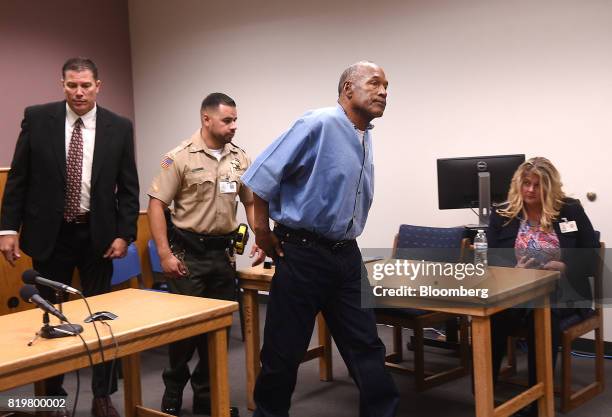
(166, 161)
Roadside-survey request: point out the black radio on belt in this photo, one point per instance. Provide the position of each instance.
(242, 237)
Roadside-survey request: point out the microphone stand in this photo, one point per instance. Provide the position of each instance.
(53, 332)
(71, 329)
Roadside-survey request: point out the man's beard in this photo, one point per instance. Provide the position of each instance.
(224, 138)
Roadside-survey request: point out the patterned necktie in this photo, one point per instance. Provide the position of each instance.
(74, 173)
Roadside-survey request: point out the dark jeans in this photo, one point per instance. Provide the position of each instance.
(211, 275)
(308, 279)
(74, 249)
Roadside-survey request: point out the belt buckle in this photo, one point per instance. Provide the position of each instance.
(80, 218)
(338, 245)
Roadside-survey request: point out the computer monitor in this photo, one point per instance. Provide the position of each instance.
(476, 181)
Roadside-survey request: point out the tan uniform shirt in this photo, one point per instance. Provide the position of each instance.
(203, 189)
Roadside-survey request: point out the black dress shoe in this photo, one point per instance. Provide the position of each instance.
(203, 407)
(171, 404)
(103, 407)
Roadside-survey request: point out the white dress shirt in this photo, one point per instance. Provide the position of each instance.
(89, 139)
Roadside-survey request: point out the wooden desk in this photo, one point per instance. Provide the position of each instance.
(507, 287)
(256, 279)
(147, 319)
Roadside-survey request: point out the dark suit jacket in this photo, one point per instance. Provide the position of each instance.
(33, 201)
(576, 247)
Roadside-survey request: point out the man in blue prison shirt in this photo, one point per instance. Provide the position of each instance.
(316, 182)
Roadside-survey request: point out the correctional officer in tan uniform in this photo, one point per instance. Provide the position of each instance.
(202, 177)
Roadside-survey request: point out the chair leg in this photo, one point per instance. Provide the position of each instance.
(238, 297)
(512, 354)
(464, 342)
(395, 356)
(419, 358)
(423, 379)
(566, 375)
(599, 357)
(510, 368)
(241, 315)
(570, 399)
(452, 330)
(397, 344)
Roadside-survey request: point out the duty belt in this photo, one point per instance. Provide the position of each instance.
(301, 236)
(200, 242)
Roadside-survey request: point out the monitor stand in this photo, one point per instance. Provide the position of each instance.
(484, 202)
(484, 198)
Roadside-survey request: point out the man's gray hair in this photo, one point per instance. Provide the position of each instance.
(350, 73)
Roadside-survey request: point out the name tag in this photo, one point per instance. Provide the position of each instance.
(567, 227)
(227, 187)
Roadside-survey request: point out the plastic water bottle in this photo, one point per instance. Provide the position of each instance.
(480, 248)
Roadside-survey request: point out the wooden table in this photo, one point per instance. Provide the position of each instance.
(256, 279)
(507, 287)
(147, 319)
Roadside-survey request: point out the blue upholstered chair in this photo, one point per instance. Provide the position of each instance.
(127, 268)
(434, 244)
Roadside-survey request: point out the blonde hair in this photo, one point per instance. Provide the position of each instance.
(551, 192)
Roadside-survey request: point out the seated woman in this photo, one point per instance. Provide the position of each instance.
(543, 226)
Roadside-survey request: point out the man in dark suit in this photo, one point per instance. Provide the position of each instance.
(71, 198)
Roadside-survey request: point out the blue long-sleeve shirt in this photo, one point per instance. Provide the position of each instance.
(317, 176)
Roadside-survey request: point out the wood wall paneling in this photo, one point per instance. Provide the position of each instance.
(10, 277)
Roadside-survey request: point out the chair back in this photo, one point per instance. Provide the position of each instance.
(598, 277)
(583, 314)
(127, 267)
(436, 244)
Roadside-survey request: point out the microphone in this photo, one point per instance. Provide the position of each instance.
(30, 294)
(33, 277)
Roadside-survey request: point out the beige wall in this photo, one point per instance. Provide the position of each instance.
(471, 77)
